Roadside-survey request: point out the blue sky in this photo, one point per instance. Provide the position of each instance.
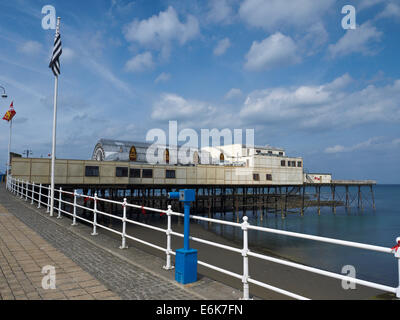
(285, 68)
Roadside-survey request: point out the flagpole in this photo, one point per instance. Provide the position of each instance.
(53, 153)
(9, 153)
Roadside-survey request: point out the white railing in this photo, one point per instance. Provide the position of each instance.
(38, 192)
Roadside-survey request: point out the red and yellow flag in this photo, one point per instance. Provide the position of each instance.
(10, 114)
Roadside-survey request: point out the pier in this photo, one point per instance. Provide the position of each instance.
(240, 200)
(237, 179)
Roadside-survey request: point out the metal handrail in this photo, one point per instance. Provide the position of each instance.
(26, 190)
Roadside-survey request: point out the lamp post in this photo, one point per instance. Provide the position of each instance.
(4, 95)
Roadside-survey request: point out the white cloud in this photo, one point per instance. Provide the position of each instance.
(335, 149)
(193, 113)
(163, 77)
(140, 62)
(314, 39)
(101, 70)
(221, 11)
(31, 47)
(392, 10)
(365, 4)
(274, 51)
(159, 31)
(339, 83)
(356, 41)
(174, 107)
(365, 145)
(68, 54)
(272, 15)
(233, 93)
(222, 46)
(330, 105)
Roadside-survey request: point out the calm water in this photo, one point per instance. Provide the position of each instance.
(380, 227)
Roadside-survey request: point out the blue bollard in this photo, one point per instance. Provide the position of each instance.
(186, 258)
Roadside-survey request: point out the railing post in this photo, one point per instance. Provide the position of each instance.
(94, 233)
(27, 190)
(168, 265)
(59, 203)
(123, 245)
(74, 210)
(22, 189)
(397, 255)
(33, 193)
(245, 227)
(48, 200)
(40, 196)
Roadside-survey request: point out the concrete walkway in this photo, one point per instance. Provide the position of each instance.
(23, 254)
(86, 267)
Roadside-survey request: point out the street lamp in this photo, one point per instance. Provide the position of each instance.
(4, 95)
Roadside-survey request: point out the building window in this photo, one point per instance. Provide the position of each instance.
(294, 164)
(222, 157)
(134, 173)
(256, 177)
(91, 171)
(170, 174)
(270, 152)
(281, 153)
(269, 177)
(289, 163)
(147, 173)
(283, 163)
(121, 172)
(299, 164)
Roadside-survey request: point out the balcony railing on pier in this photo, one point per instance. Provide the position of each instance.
(40, 194)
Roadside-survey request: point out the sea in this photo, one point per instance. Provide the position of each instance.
(376, 227)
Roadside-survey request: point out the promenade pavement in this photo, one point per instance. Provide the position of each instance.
(86, 268)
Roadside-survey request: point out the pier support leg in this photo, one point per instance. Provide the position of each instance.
(281, 203)
(373, 198)
(334, 199)
(360, 202)
(303, 199)
(286, 201)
